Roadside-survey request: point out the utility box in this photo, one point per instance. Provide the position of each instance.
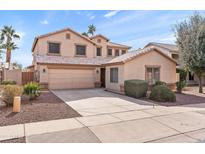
(17, 104)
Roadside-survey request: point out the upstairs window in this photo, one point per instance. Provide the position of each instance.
(109, 52)
(114, 75)
(80, 50)
(117, 52)
(123, 52)
(54, 48)
(99, 52)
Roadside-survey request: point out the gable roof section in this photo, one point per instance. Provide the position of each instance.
(112, 44)
(170, 47)
(60, 31)
(133, 54)
(99, 35)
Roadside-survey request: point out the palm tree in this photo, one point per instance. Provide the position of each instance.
(91, 29)
(8, 34)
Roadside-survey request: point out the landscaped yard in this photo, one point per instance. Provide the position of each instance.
(190, 96)
(46, 107)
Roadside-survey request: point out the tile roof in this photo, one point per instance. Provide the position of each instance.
(170, 47)
(133, 54)
(71, 60)
(99, 35)
(97, 60)
(112, 44)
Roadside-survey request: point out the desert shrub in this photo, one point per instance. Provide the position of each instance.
(8, 82)
(32, 89)
(162, 93)
(9, 92)
(158, 83)
(135, 88)
(180, 85)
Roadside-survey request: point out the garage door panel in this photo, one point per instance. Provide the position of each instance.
(70, 79)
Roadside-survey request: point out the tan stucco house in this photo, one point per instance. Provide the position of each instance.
(65, 59)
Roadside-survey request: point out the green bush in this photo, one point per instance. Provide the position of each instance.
(182, 74)
(136, 88)
(158, 83)
(180, 85)
(9, 92)
(8, 82)
(162, 93)
(32, 89)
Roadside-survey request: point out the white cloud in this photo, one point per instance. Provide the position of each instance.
(110, 14)
(44, 22)
(92, 17)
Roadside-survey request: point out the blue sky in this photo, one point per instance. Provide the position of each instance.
(134, 28)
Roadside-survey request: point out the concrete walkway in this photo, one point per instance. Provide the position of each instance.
(109, 117)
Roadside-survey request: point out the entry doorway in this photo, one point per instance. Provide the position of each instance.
(102, 77)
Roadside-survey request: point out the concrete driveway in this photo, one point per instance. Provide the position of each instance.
(109, 117)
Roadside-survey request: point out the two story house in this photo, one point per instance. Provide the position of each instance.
(65, 59)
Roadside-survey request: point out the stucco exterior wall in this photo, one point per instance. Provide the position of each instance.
(103, 45)
(67, 46)
(115, 86)
(15, 75)
(135, 69)
(43, 72)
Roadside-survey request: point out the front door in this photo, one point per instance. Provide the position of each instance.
(102, 77)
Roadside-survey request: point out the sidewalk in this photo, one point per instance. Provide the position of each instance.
(160, 124)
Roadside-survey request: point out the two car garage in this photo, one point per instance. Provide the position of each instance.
(70, 78)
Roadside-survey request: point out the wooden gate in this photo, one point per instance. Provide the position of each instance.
(27, 77)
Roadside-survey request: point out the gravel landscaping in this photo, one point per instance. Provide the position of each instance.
(46, 107)
(181, 99)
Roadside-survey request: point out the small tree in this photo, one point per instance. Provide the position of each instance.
(190, 36)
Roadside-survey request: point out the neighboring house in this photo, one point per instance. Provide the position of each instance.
(66, 59)
(173, 52)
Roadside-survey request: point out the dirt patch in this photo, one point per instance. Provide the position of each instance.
(46, 107)
(181, 99)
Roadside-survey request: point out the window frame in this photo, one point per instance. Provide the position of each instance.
(146, 75)
(77, 55)
(100, 51)
(112, 75)
(51, 53)
(108, 52)
(117, 51)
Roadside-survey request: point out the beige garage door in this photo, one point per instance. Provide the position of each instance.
(70, 78)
